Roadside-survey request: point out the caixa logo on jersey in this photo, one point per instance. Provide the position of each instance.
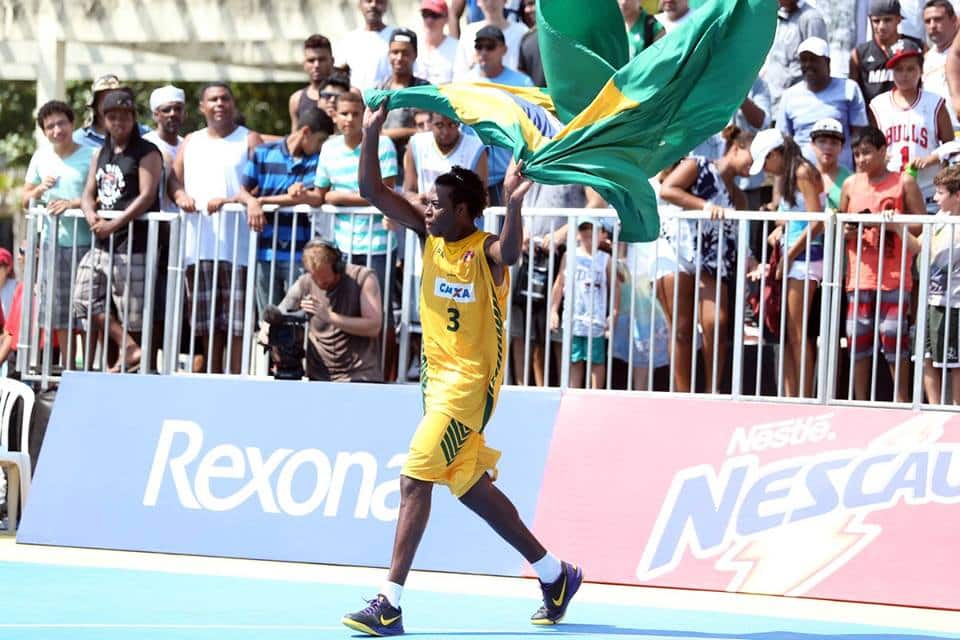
(458, 291)
(296, 483)
(784, 526)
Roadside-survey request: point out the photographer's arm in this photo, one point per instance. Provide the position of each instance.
(291, 301)
(370, 320)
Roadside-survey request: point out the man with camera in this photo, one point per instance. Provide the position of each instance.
(341, 304)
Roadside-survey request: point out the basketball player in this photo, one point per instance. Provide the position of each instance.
(914, 121)
(462, 302)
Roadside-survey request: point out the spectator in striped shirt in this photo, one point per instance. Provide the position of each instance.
(283, 173)
(359, 236)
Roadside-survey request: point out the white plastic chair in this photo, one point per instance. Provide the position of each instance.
(16, 464)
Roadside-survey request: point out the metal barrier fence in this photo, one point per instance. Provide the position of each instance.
(698, 311)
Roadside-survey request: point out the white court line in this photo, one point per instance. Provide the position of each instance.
(930, 620)
(180, 627)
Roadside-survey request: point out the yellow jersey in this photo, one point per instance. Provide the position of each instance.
(462, 313)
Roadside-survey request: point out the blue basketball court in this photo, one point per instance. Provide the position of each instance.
(53, 600)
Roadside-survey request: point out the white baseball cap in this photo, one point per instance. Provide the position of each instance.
(827, 127)
(764, 142)
(816, 46)
(164, 95)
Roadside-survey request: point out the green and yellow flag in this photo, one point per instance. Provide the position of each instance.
(608, 123)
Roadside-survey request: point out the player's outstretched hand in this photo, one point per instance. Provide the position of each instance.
(515, 185)
(373, 120)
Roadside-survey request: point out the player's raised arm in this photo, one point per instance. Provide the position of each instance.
(392, 204)
(505, 250)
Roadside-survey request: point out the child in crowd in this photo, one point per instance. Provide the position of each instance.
(593, 277)
(913, 120)
(827, 138)
(878, 283)
(943, 296)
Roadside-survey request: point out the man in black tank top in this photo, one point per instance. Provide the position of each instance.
(868, 59)
(124, 178)
(318, 65)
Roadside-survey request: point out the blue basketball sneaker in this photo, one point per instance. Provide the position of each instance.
(378, 618)
(557, 595)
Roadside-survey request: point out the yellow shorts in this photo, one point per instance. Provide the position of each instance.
(446, 451)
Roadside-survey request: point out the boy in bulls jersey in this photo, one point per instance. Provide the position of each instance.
(462, 302)
(878, 290)
(914, 121)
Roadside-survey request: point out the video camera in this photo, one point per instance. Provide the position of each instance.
(285, 342)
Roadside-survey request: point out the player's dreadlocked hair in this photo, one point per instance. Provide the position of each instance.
(465, 187)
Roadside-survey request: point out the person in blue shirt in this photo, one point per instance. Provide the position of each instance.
(282, 173)
(490, 46)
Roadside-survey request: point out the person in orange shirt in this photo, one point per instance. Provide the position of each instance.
(878, 282)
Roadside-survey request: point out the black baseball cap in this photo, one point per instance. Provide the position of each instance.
(884, 8)
(404, 35)
(118, 99)
(490, 32)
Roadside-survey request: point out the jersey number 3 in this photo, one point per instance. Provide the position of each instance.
(454, 323)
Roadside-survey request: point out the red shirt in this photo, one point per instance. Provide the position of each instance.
(876, 198)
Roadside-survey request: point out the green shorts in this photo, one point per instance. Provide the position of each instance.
(937, 336)
(578, 349)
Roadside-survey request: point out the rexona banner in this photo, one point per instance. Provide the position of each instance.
(263, 469)
(841, 503)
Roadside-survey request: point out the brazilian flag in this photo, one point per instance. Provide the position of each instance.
(609, 123)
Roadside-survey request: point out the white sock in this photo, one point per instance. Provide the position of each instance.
(392, 592)
(548, 568)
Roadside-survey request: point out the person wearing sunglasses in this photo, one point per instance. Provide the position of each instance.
(435, 61)
(490, 48)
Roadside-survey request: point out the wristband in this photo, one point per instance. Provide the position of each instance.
(911, 170)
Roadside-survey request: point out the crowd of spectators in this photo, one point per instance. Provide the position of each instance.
(803, 140)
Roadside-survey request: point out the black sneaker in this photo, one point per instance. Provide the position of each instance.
(379, 618)
(557, 595)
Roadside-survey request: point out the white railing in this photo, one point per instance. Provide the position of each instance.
(673, 304)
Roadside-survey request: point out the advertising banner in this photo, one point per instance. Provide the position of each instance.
(786, 499)
(296, 471)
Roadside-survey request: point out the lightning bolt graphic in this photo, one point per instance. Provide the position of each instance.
(794, 558)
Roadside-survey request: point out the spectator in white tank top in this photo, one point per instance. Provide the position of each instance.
(207, 174)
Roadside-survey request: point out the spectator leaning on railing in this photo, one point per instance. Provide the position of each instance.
(283, 173)
(875, 189)
(343, 303)
(55, 180)
(124, 177)
(207, 174)
(943, 296)
(705, 249)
